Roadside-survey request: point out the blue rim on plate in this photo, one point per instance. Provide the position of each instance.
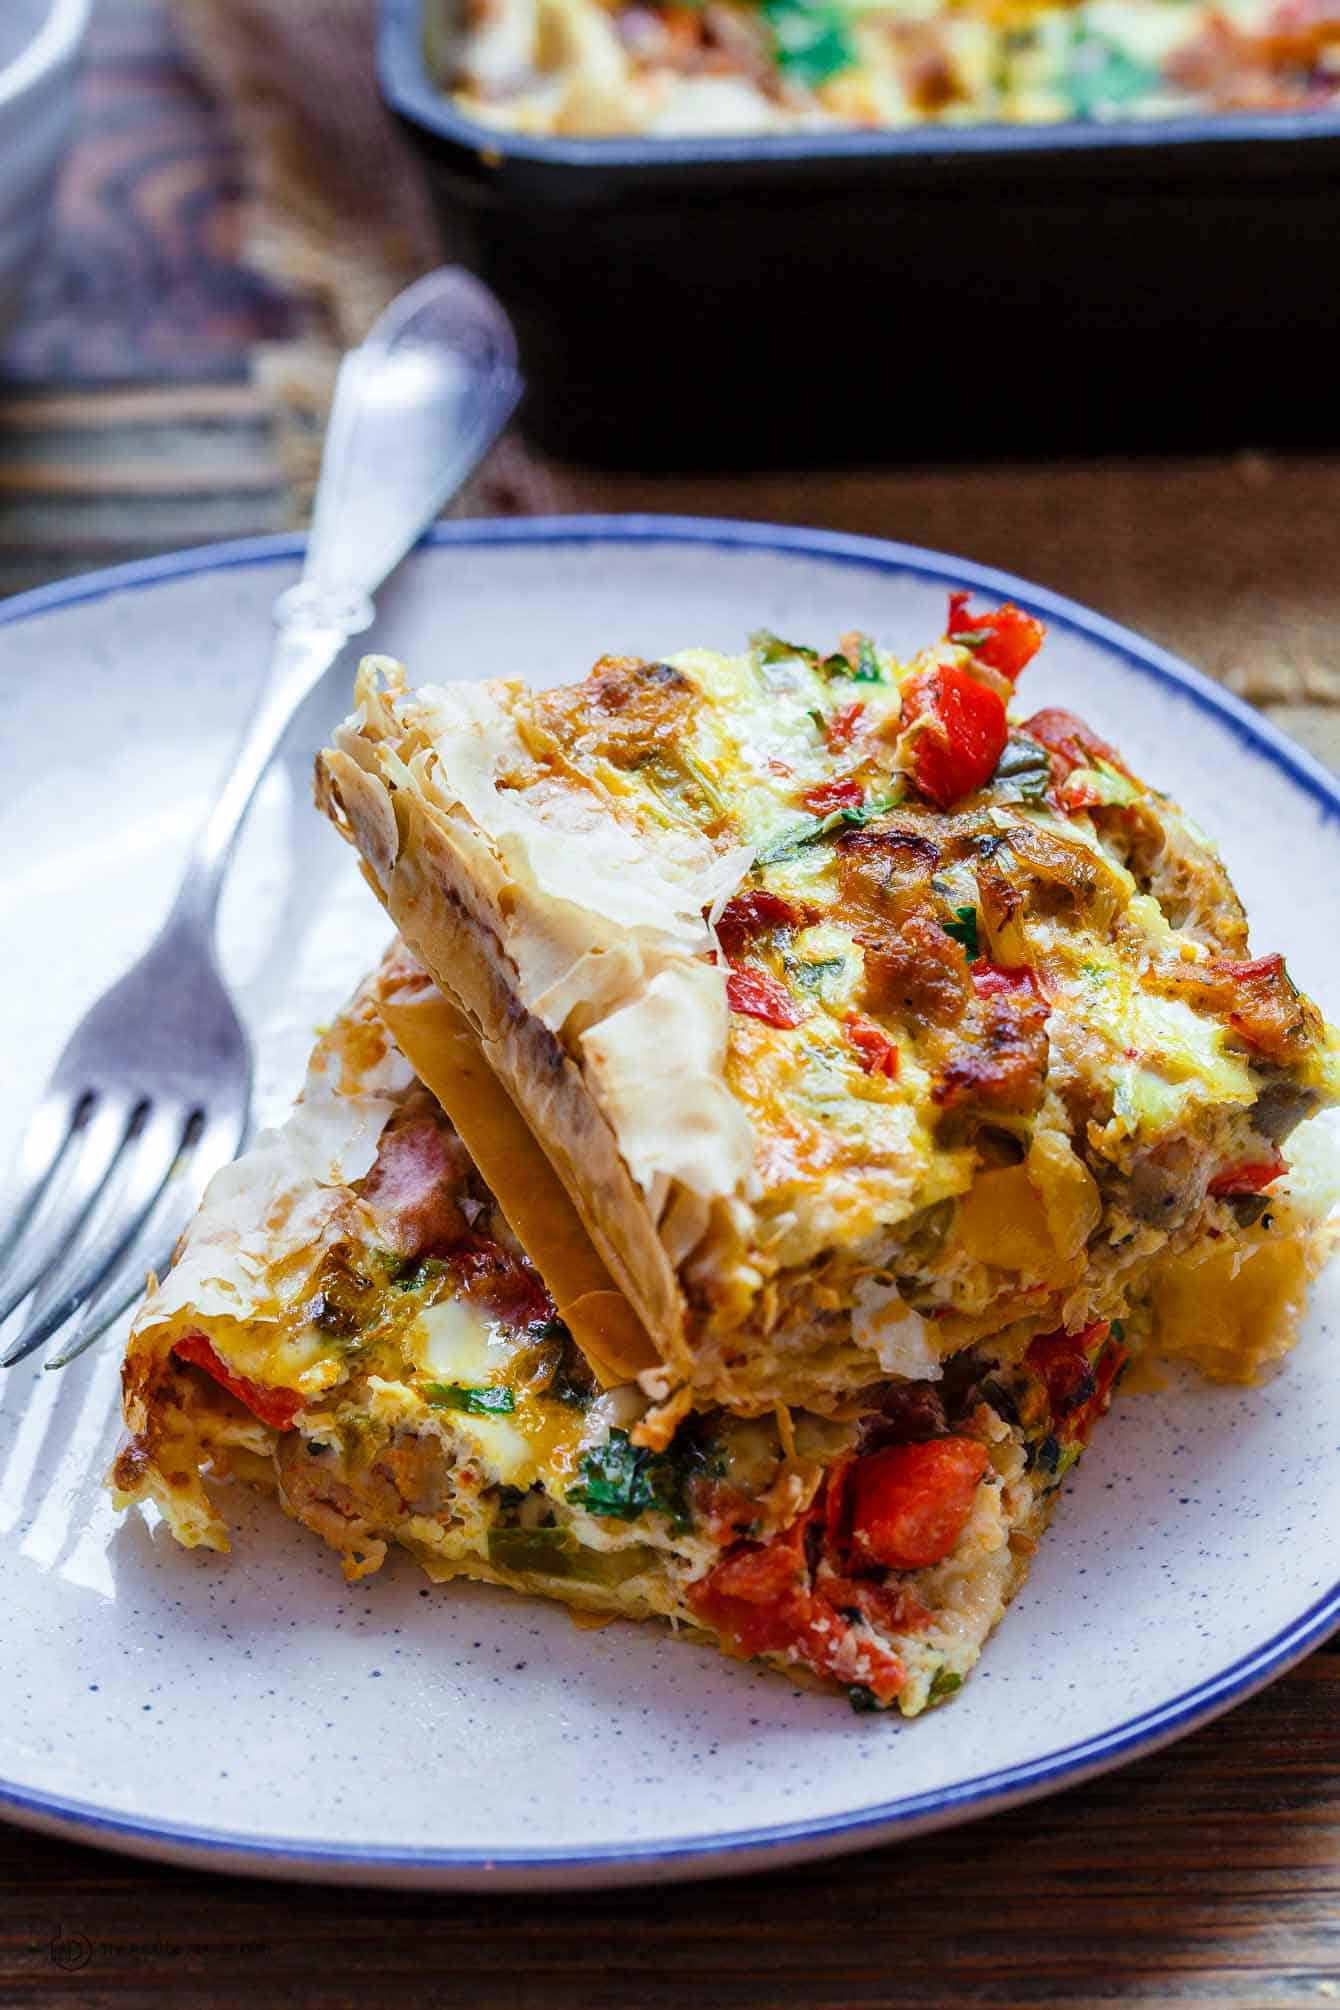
(886, 1821)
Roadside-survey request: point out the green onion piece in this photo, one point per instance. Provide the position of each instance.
(787, 843)
(556, 1552)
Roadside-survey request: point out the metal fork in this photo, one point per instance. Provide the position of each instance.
(152, 1094)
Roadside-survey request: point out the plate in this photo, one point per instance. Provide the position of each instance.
(255, 1713)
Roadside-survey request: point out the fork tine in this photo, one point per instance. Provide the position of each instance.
(98, 1141)
(153, 1246)
(137, 1178)
(53, 1124)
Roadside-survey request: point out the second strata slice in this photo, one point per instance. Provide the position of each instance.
(861, 1024)
(352, 1323)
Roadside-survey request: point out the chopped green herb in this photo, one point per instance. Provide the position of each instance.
(810, 976)
(864, 1700)
(820, 721)
(770, 648)
(1102, 77)
(420, 1272)
(867, 663)
(787, 843)
(497, 1401)
(812, 40)
(944, 1685)
(835, 665)
(964, 929)
(622, 1480)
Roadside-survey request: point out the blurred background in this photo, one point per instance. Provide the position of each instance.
(236, 205)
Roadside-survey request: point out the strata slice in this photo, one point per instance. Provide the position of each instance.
(862, 1026)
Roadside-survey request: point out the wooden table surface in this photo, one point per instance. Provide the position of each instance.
(1207, 1875)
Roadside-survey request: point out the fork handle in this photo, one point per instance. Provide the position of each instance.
(307, 644)
(415, 409)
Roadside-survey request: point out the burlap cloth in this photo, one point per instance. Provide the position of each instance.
(1233, 561)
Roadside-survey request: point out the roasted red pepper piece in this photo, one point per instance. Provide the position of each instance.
(878, 1054)
(276, 1407)
(1078, 1388)
(845, 794)
(1266, 1011)
(841, 726)
(1073, 744)
(961, 732)
(760, 1600)
(910, 1503)
(759, 994)
(1259, 1000)
(1248, 1176)
(992, 980)
(1006, 639)
(891, 1606)
(752, 913)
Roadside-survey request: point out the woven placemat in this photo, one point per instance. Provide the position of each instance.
(336, 214)
(1232, 560)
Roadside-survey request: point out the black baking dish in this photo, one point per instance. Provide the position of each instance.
(926, 292)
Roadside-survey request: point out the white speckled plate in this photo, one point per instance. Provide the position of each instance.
(258, 1714)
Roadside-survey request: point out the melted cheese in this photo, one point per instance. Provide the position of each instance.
(1232, 1307)
(452, 1342)
(445, 1055)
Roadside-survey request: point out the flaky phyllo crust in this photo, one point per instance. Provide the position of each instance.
(847, 1066)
